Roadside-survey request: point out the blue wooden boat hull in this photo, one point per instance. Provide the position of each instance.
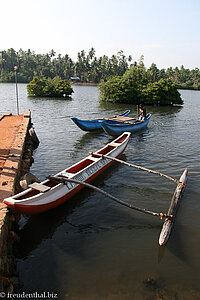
(117, 128)
(91, 125)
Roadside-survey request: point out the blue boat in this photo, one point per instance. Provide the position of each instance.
(91, 125)
(117, 128)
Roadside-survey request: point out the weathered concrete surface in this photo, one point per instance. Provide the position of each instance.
(13, 131)
(15, 161)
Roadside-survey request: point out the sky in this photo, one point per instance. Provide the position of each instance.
(165, 32)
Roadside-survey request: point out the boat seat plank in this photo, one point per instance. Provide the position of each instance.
(93, 158)
(119, 118)
(122, 118)
(66, 174)
(133, 122)
(39, 187)
(114, 144)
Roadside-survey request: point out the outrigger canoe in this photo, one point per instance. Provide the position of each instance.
(40, 197)
(91, 125)
(124, 124)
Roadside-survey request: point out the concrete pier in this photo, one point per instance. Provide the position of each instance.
(16, 147)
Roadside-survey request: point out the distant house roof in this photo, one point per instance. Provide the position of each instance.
(74, 78)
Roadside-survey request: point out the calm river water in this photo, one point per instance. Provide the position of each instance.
(92, 248)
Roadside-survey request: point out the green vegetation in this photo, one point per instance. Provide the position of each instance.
(42, 87)
(136, 86)
(87, 67)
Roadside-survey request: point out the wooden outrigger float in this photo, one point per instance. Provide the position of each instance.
(168, 224)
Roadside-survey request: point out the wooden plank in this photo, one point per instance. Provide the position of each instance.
(120, 118)
(168, 224)
(39, 187)
(126, 120)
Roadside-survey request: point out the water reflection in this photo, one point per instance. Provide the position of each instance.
(48, 99)
(87, 138)
(43, 226)
(163, 110)
(175, 244)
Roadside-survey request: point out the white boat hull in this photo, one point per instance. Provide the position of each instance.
(32, 201)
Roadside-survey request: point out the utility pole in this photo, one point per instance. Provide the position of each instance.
(15, 68)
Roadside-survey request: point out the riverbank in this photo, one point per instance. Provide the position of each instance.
(83, 83)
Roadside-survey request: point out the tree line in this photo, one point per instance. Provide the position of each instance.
(87, 67)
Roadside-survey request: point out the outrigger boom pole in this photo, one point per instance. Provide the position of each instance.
(135, 166)
(65, 180)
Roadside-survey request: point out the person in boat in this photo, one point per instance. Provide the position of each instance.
(142, 112)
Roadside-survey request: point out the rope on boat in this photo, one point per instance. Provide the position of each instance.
(135, 166)
(65, 180)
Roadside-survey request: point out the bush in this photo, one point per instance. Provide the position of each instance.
(115, 90)
(134, 88)
(43, 87)
(163, 92)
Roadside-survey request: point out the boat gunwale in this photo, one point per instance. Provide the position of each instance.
(101, 119)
